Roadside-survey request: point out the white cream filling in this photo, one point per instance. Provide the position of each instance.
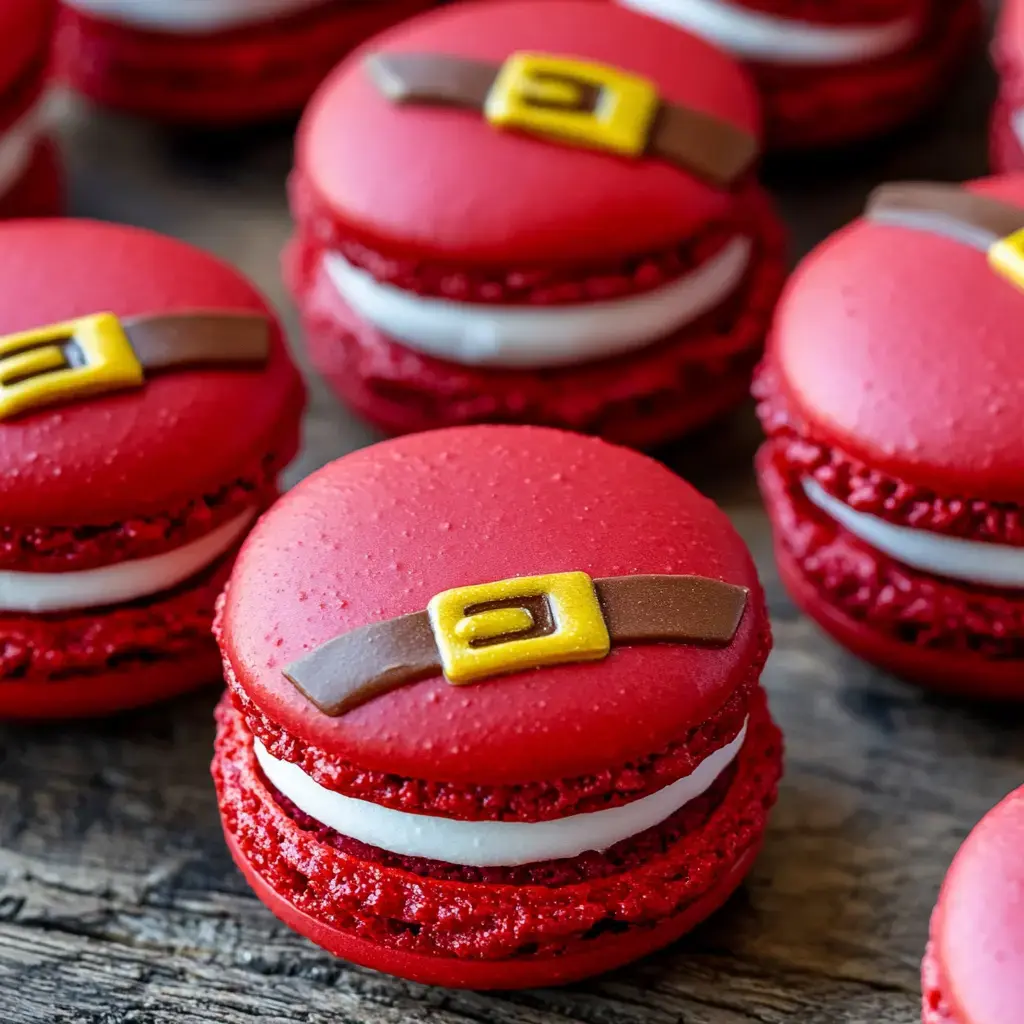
(996, 565)
(754, 35)
(190, 16)
(40, 592)
(530, 337)
(17, 143)
(490, 843)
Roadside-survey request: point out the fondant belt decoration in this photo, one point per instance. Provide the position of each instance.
(98, 354)
(575, 102)
(475, 633)
(988, 225)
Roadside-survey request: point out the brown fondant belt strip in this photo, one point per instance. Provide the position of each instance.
(948, 210)
(547, 95)
(99, 354)
(359, 665)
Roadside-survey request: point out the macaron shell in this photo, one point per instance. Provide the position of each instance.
(25, 27)
(902, 348)
(442, 184)
(978, 927)
(379, 533)
(183, 433)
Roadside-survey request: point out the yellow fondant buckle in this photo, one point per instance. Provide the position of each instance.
(1006, 258)
(65, 361)
(520, 623)
(585, 104)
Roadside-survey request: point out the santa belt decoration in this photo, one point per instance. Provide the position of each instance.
(475, 633)
(988, 225)
(98, 354)
(575, 102)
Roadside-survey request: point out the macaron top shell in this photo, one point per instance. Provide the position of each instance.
(185, 432)
(380, 532)
(978, 929)
(25, 27)
(443, 184)
(1009, 40)
(903, 349)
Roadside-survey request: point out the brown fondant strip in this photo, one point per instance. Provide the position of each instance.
(355, 667)
(696, 142)
(672, 609)
(947, 210)
(199, 339)
(366, 662)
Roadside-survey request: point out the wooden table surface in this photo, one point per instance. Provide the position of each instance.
(119, 902)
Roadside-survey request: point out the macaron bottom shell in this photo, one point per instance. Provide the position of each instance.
(643, 398)
(811, 107)
(360, 910)
(926, 630)
(248, 74)
(39, 190)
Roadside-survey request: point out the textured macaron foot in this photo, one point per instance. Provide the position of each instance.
(892, 472)
(204, 73)
(973, 968)
(641, 399)
(507, 935)
(618, 283)
(148, 406)
(430, 776)
(816, 107)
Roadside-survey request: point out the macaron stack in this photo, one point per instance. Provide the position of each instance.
(973, 972)
(146, 406)
(835, 72)
(494, 714)
(215, 62)
(30, 175)
(1007, 131)
(466, 253)
(893, 471)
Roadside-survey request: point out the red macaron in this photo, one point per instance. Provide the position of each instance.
(465, 255)
(494, 717)
(973, 972)
(147, 403)
(1007, 130)
(212, 62)
(31, 182)
(836, 72)
(893, 471)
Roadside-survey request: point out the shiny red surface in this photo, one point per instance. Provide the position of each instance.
(442, 185)
(380, 532)
(182, 435)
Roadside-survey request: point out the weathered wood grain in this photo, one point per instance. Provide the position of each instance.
(119, 903)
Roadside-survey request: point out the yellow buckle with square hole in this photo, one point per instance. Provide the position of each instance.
(1006, 258)
(586, 104)
(65, 361)
(520, 623)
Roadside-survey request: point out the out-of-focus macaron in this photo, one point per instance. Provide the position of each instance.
(1007, 131)
(840, 71)
(212, 62)
(893, 472)
(466, 254)
(31, 182)
(494, 717)
(973, 972)
(147, 403)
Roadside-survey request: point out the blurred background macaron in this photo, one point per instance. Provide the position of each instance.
(1007, 131)
(494, 715)
(893, 472)
(31, 183)
(973, 972)
(212, 62)
(468, 249)
(147, 404)
(836, 72)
